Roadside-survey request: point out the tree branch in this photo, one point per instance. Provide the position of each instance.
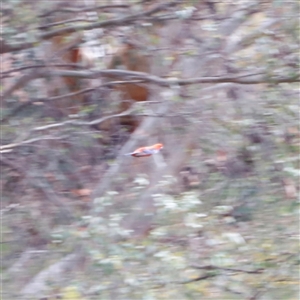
(248, 78)
(4, 148)
(4, 47)
(84, 9)
(21, 106)
(236, 45)
(64, 22)
(113, 22)
(6, 73)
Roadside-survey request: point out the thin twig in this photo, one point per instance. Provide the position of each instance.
(26, 142)
(211, 267)
(64, 22)
(5, 73)
(23, 105)
(202, 277)
(84, 9)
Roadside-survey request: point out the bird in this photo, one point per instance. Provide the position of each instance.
(146, 151)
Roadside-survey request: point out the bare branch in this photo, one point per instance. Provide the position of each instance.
(85, 9)
(4, 148)
(64, 22)
(4, 47)
(248, 78)
(238, 18)
(35, 73)
(234, 46)
(211, 267)
(82, 123)
(94, 122)
(22, 105)
(199, 278)
(113, 22)
(6, 73)
(26, 142)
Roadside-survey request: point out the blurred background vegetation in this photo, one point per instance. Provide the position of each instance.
(214, 215)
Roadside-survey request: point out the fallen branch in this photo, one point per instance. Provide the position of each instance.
(211, 267)
(199, 278)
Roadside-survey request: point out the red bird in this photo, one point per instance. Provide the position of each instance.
(146, 151)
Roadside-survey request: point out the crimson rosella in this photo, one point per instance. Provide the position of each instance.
(146, 151)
